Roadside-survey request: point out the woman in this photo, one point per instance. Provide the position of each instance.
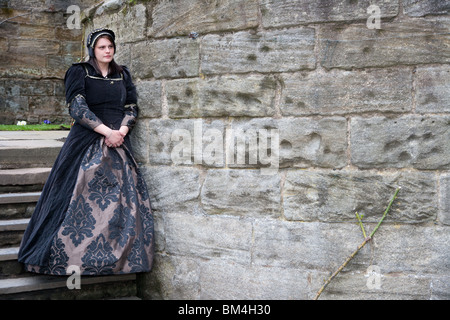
(94, 210)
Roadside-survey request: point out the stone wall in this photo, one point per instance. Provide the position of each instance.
(36, 48)
(334, 116)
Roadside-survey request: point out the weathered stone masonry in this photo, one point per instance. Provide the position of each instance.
(358, 111)
(36, 48)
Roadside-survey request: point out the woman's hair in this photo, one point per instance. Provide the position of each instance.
(114, 68)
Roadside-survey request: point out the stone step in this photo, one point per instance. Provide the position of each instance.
(9, 266)
(14, 157)
(44, 286)
(24, 179)
(11, 232)
(14, 225)
(19, 197)
(16, 210)
(21, 149)
(15, 282)
(18, 204)
(7, 254)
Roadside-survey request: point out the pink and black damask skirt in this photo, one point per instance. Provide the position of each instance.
(94, 212)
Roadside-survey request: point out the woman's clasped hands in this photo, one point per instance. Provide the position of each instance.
(116, 138)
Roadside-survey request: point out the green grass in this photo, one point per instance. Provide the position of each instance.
(34, 127)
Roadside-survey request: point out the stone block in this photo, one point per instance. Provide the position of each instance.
(17, 105)
(65, 34)
(109, 6)
(41, 47)
(58, 64)
(412, 249)
(440, 288)
(343, 92)
(172, 277)
(29, 87)
(311, 195)
(185, 142)
(60, 89)
(307, 245)
(409, 141)
(414, 8)
(235, 96)
(269, 51)
(24, 63)
(149, 98)
(174, 18)
(123, 55)
(206, 237)
(18, 12)
(277, 13)
(139, 138)
(368, 284)
(39, 32)
(407, 42)
(73, 48)
(8, 31)
(325, 246)
(172, 188)
(3, 45)
(302, 142)
(444, 213)
(45, 105)
(170, 58)
(44, 17)
(129, 23)
(433, 89)
(230, 281)
(245, 193)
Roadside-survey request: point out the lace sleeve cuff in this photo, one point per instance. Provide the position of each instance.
(79, 110)
(131, 112)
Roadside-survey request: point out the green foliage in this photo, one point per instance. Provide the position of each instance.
(34, 127)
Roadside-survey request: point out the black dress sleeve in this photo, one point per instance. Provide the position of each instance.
(76, 98)
(131, 108)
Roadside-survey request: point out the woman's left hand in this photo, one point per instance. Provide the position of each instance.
(124, 130)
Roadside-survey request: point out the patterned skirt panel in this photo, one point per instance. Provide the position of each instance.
(108, 227)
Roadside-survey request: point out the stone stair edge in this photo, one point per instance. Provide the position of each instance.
(19, 197)
(43, 282)
(14, 224)
(29, 149)
(24, 176)
(8, 254)
(33, 135)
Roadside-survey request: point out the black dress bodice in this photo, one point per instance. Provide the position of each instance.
(106, 97)
(109, 100)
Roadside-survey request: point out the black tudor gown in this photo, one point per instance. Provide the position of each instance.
(94, 210)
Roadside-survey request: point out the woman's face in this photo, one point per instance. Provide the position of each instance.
(104, 50)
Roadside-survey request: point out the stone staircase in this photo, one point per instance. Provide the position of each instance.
(25, 163)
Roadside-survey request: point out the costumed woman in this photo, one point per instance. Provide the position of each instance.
(94, 211)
